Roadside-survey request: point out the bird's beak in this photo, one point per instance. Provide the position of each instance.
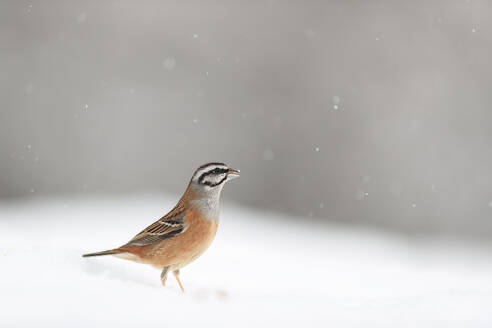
(232, 174)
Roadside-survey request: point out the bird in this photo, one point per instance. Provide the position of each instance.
(185, 233)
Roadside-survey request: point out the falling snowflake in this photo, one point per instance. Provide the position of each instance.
(268, 155)
(361, 194)
(336, 102)
(29, 89)
(169, 63)
(310, 33)
(278, 122)
(82, 17)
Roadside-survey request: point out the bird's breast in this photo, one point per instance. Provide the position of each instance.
(200, 230)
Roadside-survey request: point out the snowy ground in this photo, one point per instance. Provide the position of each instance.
(260, 272)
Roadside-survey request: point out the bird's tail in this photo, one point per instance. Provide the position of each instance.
(108, 252)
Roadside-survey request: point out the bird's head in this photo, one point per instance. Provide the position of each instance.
(213, 176)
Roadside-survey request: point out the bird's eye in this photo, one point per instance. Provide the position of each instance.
(218, 171)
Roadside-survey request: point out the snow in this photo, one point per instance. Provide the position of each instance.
(263, 270)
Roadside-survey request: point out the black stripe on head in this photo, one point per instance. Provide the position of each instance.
(207, 168)
(210, 164)
(208, 183)
(216, 171)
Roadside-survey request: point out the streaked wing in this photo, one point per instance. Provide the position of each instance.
(169, 226)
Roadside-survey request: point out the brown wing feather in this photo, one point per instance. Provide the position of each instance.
(168, 226)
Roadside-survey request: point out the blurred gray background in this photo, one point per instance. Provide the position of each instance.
(369, 112)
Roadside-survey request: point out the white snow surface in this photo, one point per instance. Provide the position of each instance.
(263, 270)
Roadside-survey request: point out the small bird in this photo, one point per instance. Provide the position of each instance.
(183, 234)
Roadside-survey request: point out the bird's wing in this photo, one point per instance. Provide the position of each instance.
(170, 225)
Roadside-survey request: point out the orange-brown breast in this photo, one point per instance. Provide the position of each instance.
(182, 249)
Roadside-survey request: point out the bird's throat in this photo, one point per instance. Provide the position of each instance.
(208, 204)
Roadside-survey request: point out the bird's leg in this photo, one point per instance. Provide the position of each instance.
(176, 274)
(164, 275)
